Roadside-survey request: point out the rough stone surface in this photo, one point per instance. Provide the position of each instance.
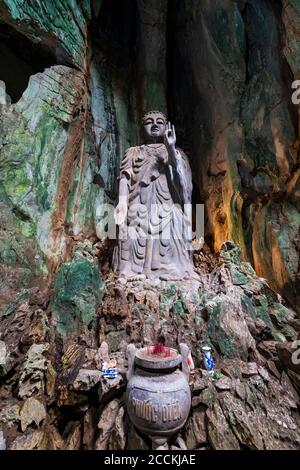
(117, 439)
(10, 415)
(4, 359)
(249, 369)
(60, 27)
(65, 123)
(32, 412)
(35, 440)
(223, 384)
(106, 424)
(110, 387)
(251, 403)
(87, 379)
(219, 433)
(2, 441)
(244, 160)
(74, 439)
(245, 157)
(32, 376)
(38, 166)
(88, 436)
(196, 430)
(78, 290)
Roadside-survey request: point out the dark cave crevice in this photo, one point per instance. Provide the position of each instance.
(189, 97)
(21, 58)
(287, 76)
(188, 108)
(113, 39)
(247, 43)
(114, 32)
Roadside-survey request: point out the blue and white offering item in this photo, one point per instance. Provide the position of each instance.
(110, 372)
(208, 360)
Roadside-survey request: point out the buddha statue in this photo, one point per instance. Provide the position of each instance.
(155, 185)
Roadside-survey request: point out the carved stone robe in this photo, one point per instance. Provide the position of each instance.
(158, 245)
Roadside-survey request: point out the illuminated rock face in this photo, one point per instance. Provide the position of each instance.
(74, 85)
(242, 129)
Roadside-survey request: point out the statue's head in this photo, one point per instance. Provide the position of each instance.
(154, 124)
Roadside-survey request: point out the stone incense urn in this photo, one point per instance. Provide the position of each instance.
(158, 395)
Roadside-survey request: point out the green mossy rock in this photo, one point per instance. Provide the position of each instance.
(78, 290)
(219, 336)
(59, 26)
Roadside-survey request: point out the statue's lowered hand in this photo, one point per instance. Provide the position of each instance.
(120, 213)
(170, 136)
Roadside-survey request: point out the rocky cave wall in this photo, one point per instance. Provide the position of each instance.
(235, 61)
(76, 78)
(222, 70)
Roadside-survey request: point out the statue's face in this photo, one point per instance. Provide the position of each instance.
(155, 126)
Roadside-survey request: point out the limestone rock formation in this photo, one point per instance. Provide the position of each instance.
(75, 79)
(245, 147)
(229, 75)
(252, 402)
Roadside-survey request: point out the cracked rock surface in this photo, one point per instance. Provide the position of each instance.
(54, 395)
(75, 80)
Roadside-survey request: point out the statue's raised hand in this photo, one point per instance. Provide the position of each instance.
(170, 136)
